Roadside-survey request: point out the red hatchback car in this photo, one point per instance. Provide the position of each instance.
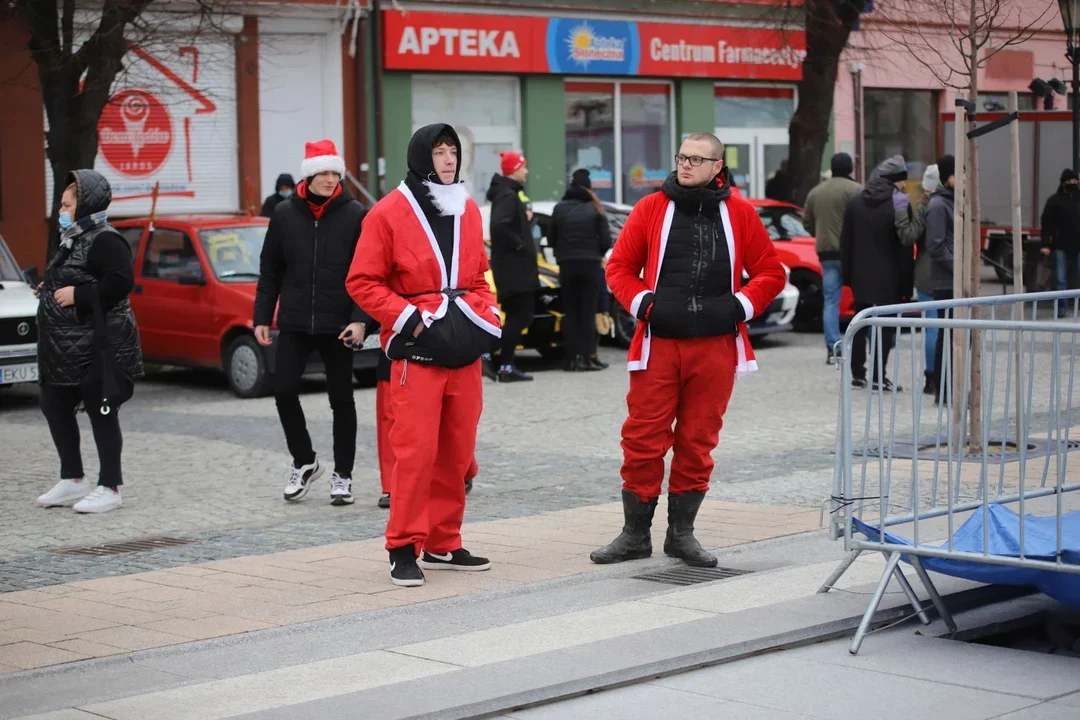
(795, 246)
(194, 292)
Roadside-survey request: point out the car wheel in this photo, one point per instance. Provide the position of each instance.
(625, 325)
(246, 368)
(809, 311)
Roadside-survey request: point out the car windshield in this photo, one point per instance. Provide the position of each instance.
(9, 270)
(783, 223)
(234, 251)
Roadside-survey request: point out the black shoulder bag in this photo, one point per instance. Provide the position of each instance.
(106, 385)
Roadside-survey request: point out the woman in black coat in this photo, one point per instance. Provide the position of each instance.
(88, 343)
(581, 236)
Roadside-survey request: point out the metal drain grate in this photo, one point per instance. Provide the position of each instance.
(126, 547)
(691, 575)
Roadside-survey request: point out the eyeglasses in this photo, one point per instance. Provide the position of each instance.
(694, 160)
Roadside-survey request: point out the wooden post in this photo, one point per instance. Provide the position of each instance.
(960, 264)
(1017, 238)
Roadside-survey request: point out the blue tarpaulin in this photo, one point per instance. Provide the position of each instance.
(1003, 526)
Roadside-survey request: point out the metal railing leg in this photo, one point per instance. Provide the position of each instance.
(935, 597)
(839, 571)
(916, 603)
(875, 600)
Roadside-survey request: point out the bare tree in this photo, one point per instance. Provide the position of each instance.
(954, 39)
(80, 54)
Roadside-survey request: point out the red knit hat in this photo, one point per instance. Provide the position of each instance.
(511, 162)
(321, 156)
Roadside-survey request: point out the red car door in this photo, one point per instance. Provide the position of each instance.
(174, 295)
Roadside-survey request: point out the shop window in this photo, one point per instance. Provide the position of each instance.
(646, 138)
(590, 133)
(753, 107)
(900, 122)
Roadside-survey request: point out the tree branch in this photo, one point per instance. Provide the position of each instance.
(68, 23)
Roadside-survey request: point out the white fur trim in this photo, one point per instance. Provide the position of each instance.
(448, 199)
(404, 317)
(480, 322)
(322, 163)
(743, 366)
(404, 190)
(635, 306)
(646, 341)
(729, 235)
(747, 306)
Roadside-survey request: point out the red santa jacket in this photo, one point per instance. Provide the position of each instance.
(398, 269)
(641, 246)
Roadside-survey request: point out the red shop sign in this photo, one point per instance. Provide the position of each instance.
(480, 43)
(713, 51)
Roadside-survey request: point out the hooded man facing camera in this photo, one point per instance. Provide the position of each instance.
(1061, 232)
(419, 272)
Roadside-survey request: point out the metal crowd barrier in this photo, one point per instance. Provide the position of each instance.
(914, 464)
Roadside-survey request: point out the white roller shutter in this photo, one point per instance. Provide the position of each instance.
(172, 120)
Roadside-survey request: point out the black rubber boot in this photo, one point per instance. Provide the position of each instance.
(930, 387)
(680, 541)
(635, 541)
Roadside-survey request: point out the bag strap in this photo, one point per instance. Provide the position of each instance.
(102, 351)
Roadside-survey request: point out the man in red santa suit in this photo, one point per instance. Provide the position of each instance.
(419, 272)
(678, 267)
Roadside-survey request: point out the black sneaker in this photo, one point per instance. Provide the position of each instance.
(858, 383)
(513, 375)
(384, 501)
(598, 363)
(887, 386)
(403, 568)
(458, 560)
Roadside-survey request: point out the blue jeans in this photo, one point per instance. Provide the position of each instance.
(832, 285)
(930, 333)
(1067, 278)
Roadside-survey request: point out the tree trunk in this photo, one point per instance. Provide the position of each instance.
(70, 145)
(973, 285)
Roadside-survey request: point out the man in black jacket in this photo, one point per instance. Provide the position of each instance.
(305, 259)
(1061, 232)
(513, 259)
(877, 260)
(283, 190)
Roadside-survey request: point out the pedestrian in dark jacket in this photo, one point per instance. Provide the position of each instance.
(939, 244)
(88, 343)
(513, 259)
(305, 260)
(285, 187)
(877, 258)
(581, 237)
(924, 287)
(1061, 232)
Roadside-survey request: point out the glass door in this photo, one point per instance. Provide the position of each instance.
(754, 156)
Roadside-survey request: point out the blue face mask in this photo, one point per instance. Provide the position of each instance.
(286, 194)
(64, 220)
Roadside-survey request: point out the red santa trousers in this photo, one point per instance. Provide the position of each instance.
(687, 385)
(384, 419)
(435, 414)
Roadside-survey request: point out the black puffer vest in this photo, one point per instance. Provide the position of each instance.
(65, 335)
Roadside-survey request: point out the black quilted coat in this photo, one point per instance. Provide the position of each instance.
(65, 334)
(304, 265)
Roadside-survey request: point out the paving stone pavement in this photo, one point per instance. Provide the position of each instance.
(202, 464)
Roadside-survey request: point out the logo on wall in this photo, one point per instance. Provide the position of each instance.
(135, 133)
(603, 46)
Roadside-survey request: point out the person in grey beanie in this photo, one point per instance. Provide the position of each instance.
(879, 230)
(924, 287)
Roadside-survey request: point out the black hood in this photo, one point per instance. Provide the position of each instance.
(420, 165)
(284, 179)
(500, 184)
(92, 192)
(698, 199)
(878, 190)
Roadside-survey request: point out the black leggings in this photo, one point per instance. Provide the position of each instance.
(293, 350)
(579, 284)
(58, 403)
(939, 347)
(519, 310)
(859, 349)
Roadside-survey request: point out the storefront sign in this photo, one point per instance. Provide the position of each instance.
(489, 43)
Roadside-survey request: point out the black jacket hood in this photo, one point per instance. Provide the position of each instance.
(419, 157)
(92, 192)
(878, 190)
(500, 184)
(284, 179)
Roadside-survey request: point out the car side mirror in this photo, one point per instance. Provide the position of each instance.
(197, 280)
(30, 275)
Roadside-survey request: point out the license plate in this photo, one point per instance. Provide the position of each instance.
(10, 374)
(371, 342)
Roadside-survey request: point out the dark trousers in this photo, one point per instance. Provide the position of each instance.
(579, 285)
(859, 345)
(939, 346)
(519, 310)
(58, 403)
(293, 350)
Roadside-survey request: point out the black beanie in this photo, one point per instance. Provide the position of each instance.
(842, 165)
(581, 178)
(946, 165)
(1068, 174)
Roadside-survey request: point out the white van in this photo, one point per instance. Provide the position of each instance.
(18, 323)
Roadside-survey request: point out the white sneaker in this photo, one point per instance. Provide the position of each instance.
(65, 492)
(101, 500)
(300, 480)
(340, 490)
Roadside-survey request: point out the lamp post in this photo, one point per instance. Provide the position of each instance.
(1070, 15)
